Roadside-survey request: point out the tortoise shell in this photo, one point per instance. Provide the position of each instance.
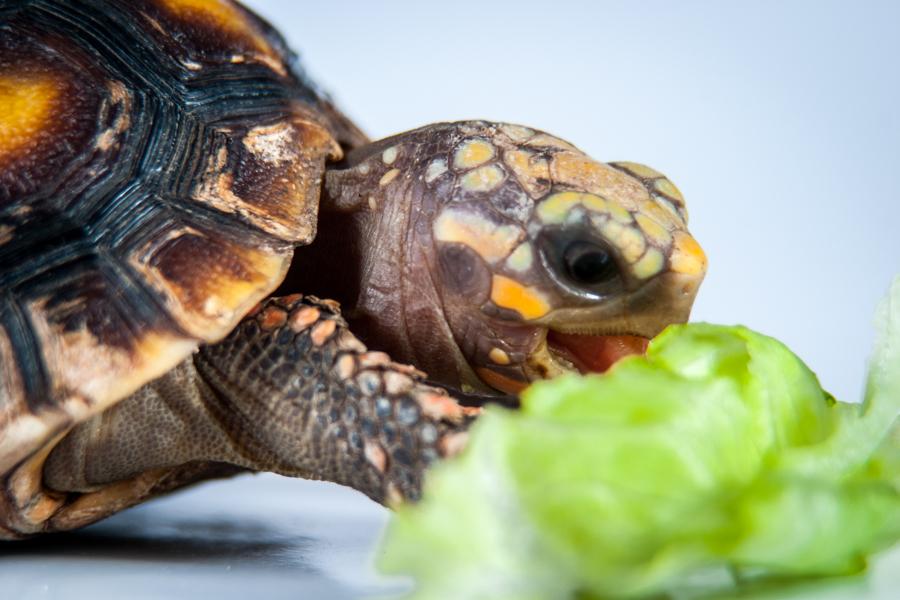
(159, 161)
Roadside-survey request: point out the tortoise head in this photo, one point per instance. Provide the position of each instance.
(492, 255)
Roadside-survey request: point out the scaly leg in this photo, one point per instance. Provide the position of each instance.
(291, 390)
(304, 397)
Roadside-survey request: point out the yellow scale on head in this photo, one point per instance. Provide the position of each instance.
(530, 169)
(521, 258)
(472, 153)
(482, 179)
(650, 264)
(668, 188)
(556, 207)
(489, 240)
(653, 230)
(26, 104)
(640, 170)
(627, 239)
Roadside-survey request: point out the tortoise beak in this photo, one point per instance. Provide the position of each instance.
(592, 339)
(645, 312)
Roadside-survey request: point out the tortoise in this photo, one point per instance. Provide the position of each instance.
(173, 191)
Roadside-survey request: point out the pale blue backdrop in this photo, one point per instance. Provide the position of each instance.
(780, 122)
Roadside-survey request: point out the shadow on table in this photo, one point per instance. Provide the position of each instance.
(207, 541)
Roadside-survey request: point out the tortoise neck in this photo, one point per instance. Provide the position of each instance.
(378, 261)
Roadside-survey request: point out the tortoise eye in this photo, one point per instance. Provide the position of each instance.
(589, 264)
(581, 264)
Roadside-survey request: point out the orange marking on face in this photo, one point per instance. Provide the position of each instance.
(527, 301)
(500, 382)
(687, 255)
(26, 104)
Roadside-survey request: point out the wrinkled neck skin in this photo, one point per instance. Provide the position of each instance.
(378, 259)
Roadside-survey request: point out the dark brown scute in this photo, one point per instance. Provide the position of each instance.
(43, 157)
(264, 174)
(112, 267)
(210, 33)
(26, 384)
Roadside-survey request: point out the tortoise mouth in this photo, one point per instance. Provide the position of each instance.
(587, 353)
(558, 353)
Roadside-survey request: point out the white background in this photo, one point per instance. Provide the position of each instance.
(780, 123)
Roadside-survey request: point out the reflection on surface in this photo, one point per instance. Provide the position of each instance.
(270, 538)
(131, 537)
(262, 537)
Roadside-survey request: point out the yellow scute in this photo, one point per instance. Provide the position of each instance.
(230, 293)
(26, 103)
(223, 13)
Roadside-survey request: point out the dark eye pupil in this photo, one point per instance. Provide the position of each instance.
(588, 263)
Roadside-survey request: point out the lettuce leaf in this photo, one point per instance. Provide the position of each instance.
(716, 458)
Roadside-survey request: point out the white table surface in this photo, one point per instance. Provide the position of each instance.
(255, 536)
(264, 537)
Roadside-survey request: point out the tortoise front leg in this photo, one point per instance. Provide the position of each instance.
(302, 396)
(291, 390)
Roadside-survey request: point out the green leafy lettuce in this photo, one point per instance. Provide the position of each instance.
(717, 457)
